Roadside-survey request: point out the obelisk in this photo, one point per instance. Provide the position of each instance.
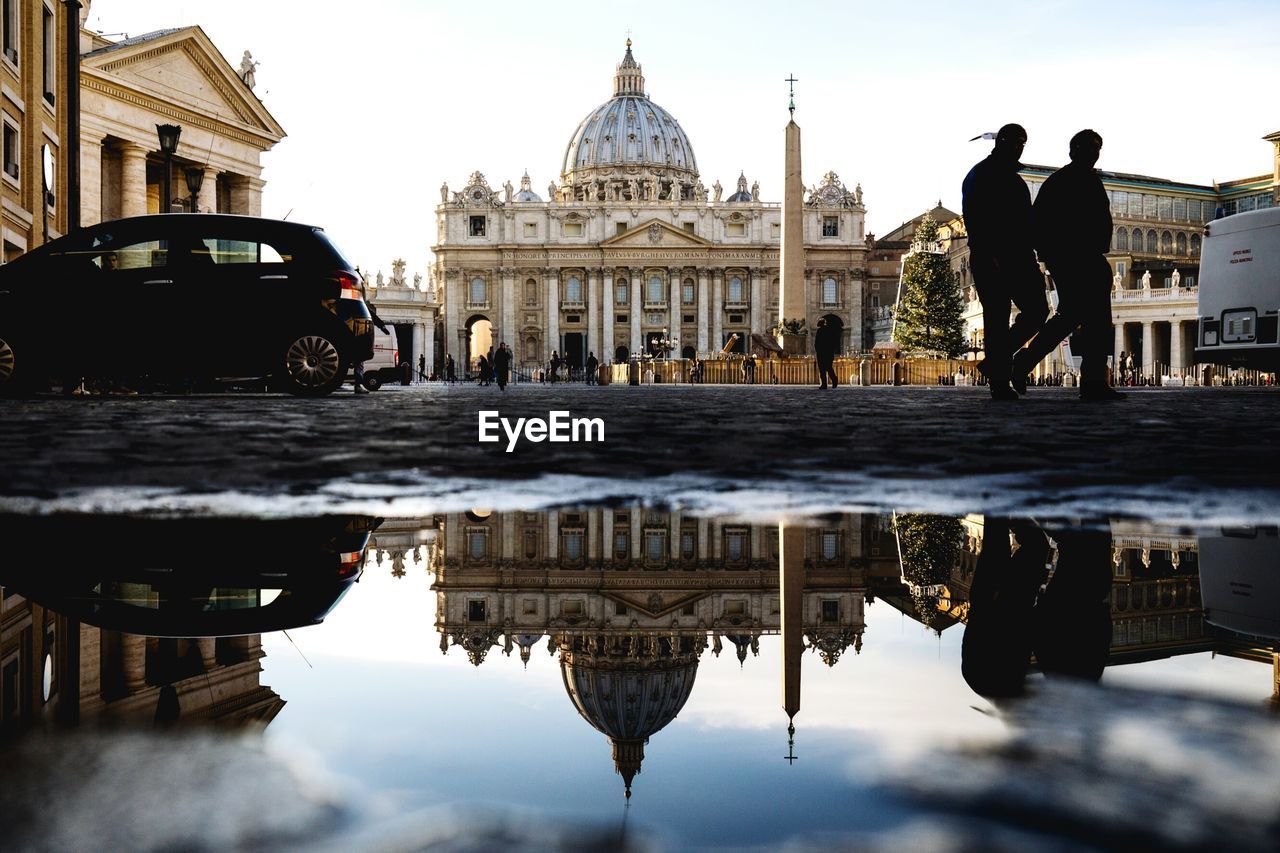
(791, 296)
(791, 576)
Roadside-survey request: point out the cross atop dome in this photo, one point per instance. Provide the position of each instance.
(628, 80)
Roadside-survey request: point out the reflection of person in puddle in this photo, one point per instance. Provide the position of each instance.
(1067, 625)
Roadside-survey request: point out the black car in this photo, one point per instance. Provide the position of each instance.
(184, 297)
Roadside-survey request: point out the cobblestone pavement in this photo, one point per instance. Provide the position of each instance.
(1198, 447)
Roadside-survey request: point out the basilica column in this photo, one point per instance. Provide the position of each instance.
(553, 535)
(508, 309)
(429, 346)
(420, 347)
(703, 298)
(674, 307)
(133, 180)
(635, 534)
(717, 310)
(553, 314)
(636, 307)
(757, 302)
(704, 537)
(453, 319)
(595, 535)
(673, 536)
(508, 536)
(207, 198)
(1148, 347)
(90, 178)
(853, 321)
(593, 314)
(606, 344)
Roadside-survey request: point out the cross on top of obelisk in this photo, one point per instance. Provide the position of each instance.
(791, 81)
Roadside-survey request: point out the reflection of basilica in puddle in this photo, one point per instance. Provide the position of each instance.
(631, 599)
(628, 599)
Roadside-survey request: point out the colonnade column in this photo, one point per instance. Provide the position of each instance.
(553, 314)
(453, 317)
(703, 298)
(854, 315)
(1148, 347)
(717, 311)
(134, 658)
(1176, 354)
(246, 195)
(208, 652)
(429, 346)
(90, 178)
(133, 180)
(593, 314)
(1119, 348)
(606, 343)
(636, 307)
(207, 198)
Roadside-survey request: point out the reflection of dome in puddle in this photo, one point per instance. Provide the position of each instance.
(629, 687)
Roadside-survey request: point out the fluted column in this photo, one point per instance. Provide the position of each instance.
(593, 314)
(1148, 347)
(553, 314)
(606, 306)
(703, 318)
(207, 198)
(717, 310)
(133, 180)
(636, 306)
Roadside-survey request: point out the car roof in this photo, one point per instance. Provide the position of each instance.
(195, 218)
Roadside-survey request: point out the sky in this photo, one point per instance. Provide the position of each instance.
(384, 100)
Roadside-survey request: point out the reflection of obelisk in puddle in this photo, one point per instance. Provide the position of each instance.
(791, 299)
(791, 590)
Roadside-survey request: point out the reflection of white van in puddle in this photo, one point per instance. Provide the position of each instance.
(382, 368)
(1240, 291)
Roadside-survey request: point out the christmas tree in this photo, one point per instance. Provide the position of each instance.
(929, 310)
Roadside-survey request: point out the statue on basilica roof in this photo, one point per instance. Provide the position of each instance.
(247, 66)
(717, 190)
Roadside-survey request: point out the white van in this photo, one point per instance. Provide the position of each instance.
(384, 366)
(1240, 291)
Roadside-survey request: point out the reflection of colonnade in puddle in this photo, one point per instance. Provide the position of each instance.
(630, 599)
(170, 629)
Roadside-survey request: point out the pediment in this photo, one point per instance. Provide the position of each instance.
(655, 604)
(184, 68)
(655, 234)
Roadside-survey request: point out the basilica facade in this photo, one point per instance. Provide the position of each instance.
(630, 253)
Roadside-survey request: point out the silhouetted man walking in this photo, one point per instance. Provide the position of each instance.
(1073, 236)
(997, 216)
(826, 341)
(502, 365)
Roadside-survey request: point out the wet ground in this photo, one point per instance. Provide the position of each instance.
(1201, 453)
(237, 621)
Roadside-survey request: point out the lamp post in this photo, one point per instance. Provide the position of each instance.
(195, 179)
(169, 135)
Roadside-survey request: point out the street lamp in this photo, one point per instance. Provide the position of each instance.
(169, 134)
(195, 179)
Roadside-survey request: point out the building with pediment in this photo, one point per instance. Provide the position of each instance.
(174, 76)
(630, 249)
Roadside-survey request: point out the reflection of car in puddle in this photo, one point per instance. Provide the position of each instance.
(1240, 580)
(188, 578)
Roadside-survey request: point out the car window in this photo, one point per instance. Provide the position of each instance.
(146, 254)
(222, 251)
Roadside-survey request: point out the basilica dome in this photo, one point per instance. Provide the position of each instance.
(627, 135)
(628, 688)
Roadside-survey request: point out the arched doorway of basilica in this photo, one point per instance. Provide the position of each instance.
(620, 355)
(479, 340)
(688, 353)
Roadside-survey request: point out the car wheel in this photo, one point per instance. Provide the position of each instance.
(373, 381)
(15, 369)
(313, 366)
